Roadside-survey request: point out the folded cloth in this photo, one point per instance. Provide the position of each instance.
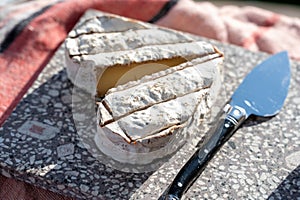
(31, 31)
(251, 27)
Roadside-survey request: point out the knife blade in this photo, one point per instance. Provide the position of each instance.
(262, 93)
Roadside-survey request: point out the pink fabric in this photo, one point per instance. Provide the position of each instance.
(250, 27)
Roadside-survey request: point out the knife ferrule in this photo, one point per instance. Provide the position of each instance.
(235, 114)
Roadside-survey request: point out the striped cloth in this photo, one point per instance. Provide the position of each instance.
(31, 31)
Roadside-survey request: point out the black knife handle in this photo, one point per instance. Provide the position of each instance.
(196, 164)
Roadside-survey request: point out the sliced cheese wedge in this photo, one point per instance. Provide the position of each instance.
(148, 123)
(153, 82)
(103, 47)
(165, 85)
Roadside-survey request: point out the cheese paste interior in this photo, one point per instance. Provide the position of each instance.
(121, 74)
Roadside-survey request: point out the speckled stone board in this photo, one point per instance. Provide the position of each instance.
(46, 142)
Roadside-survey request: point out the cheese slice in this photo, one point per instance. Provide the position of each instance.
(148, 123)
(156, 84)
(169, 84)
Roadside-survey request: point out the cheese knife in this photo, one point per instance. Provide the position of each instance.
(261, 93)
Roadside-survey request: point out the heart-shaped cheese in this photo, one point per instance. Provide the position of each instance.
(156, 84)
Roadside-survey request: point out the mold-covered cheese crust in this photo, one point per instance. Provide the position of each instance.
(150, 117)
(105, 40)
(164, 106)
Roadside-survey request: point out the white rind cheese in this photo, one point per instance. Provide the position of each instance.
(160, 116)
(132, 39)
(98, 22)
(189, 79)
(151, 148)
(147, 117)
(91, 67)
(107, 40)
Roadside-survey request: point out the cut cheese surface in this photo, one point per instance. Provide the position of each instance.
(119, 74)
(140, 71)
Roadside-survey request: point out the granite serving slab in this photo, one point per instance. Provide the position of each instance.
(46, 142)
